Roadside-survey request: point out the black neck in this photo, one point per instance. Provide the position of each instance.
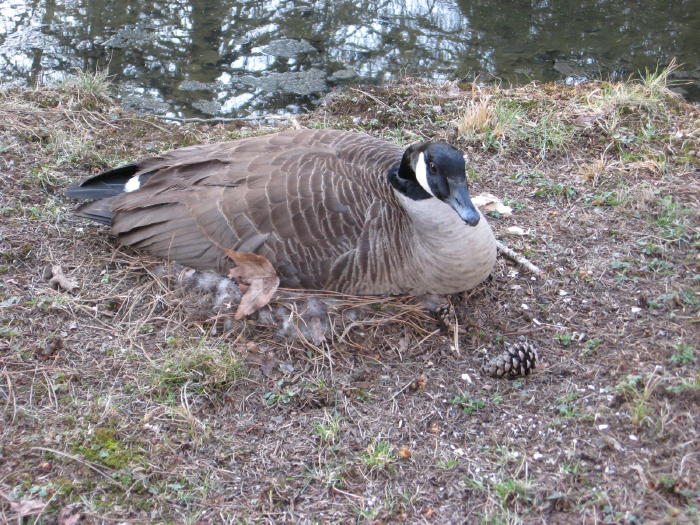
(403, 179)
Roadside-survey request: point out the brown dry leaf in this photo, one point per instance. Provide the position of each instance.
(516, 230)
(263, 358)
(260, 278)
(488, 203)
(52, 346)
(60, 281)
(70, 514)
(405, 452)
(588, 120)
(26, 507)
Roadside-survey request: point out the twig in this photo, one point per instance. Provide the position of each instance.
(224, 119)
(402, 389)
(121, 520)
(371, 96)
(522, 261)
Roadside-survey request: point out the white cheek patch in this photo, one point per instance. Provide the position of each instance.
(132, 184)
(422, 174)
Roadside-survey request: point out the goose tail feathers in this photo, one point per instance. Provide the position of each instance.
(98, 211)
(102, 186)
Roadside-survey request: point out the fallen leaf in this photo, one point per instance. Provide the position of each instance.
(25, 507)
(70, 514)
(10, 301)
(258, 278)
(318, 333)
(404, 452)
(50, 348)
(262, 358)
(515, 230)
(589, 120)
(488, 203)
(286, 368)
(60, 281)
(419, 383)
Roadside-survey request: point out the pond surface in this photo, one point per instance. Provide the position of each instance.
(236, 58)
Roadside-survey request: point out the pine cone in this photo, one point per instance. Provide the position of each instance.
(516, 360)
(446, 317)
(440, 307)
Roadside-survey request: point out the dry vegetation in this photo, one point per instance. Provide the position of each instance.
(123, 402)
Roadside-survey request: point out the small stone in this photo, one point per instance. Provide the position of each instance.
(343, 74)
(287, 47)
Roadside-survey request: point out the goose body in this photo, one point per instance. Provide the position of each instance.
(332, 210)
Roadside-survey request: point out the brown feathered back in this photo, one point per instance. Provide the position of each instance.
(303, 199)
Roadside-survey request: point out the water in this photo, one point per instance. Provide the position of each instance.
(236, 58)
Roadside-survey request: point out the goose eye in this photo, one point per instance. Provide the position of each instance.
(433, 168)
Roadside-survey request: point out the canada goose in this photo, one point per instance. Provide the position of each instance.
(332, 210)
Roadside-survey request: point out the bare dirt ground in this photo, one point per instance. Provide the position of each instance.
(124, 402)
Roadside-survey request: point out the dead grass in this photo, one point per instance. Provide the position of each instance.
(125, 401)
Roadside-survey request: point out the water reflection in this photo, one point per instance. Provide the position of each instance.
(241, 57)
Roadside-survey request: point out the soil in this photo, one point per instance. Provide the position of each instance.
(129, 400)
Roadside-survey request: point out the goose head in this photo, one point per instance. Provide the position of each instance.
(435, 170)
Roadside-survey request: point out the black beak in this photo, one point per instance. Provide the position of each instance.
(461, 202)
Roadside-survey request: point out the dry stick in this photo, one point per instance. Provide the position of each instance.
(223, 119)
(371, 96)
(522, 261)
(402, 389)
(121, 520)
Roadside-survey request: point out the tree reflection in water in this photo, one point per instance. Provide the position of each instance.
(241, 57)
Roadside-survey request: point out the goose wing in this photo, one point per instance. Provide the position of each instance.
(300, 198)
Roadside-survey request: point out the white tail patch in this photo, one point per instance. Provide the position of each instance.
(422, 174)
(132, 184)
